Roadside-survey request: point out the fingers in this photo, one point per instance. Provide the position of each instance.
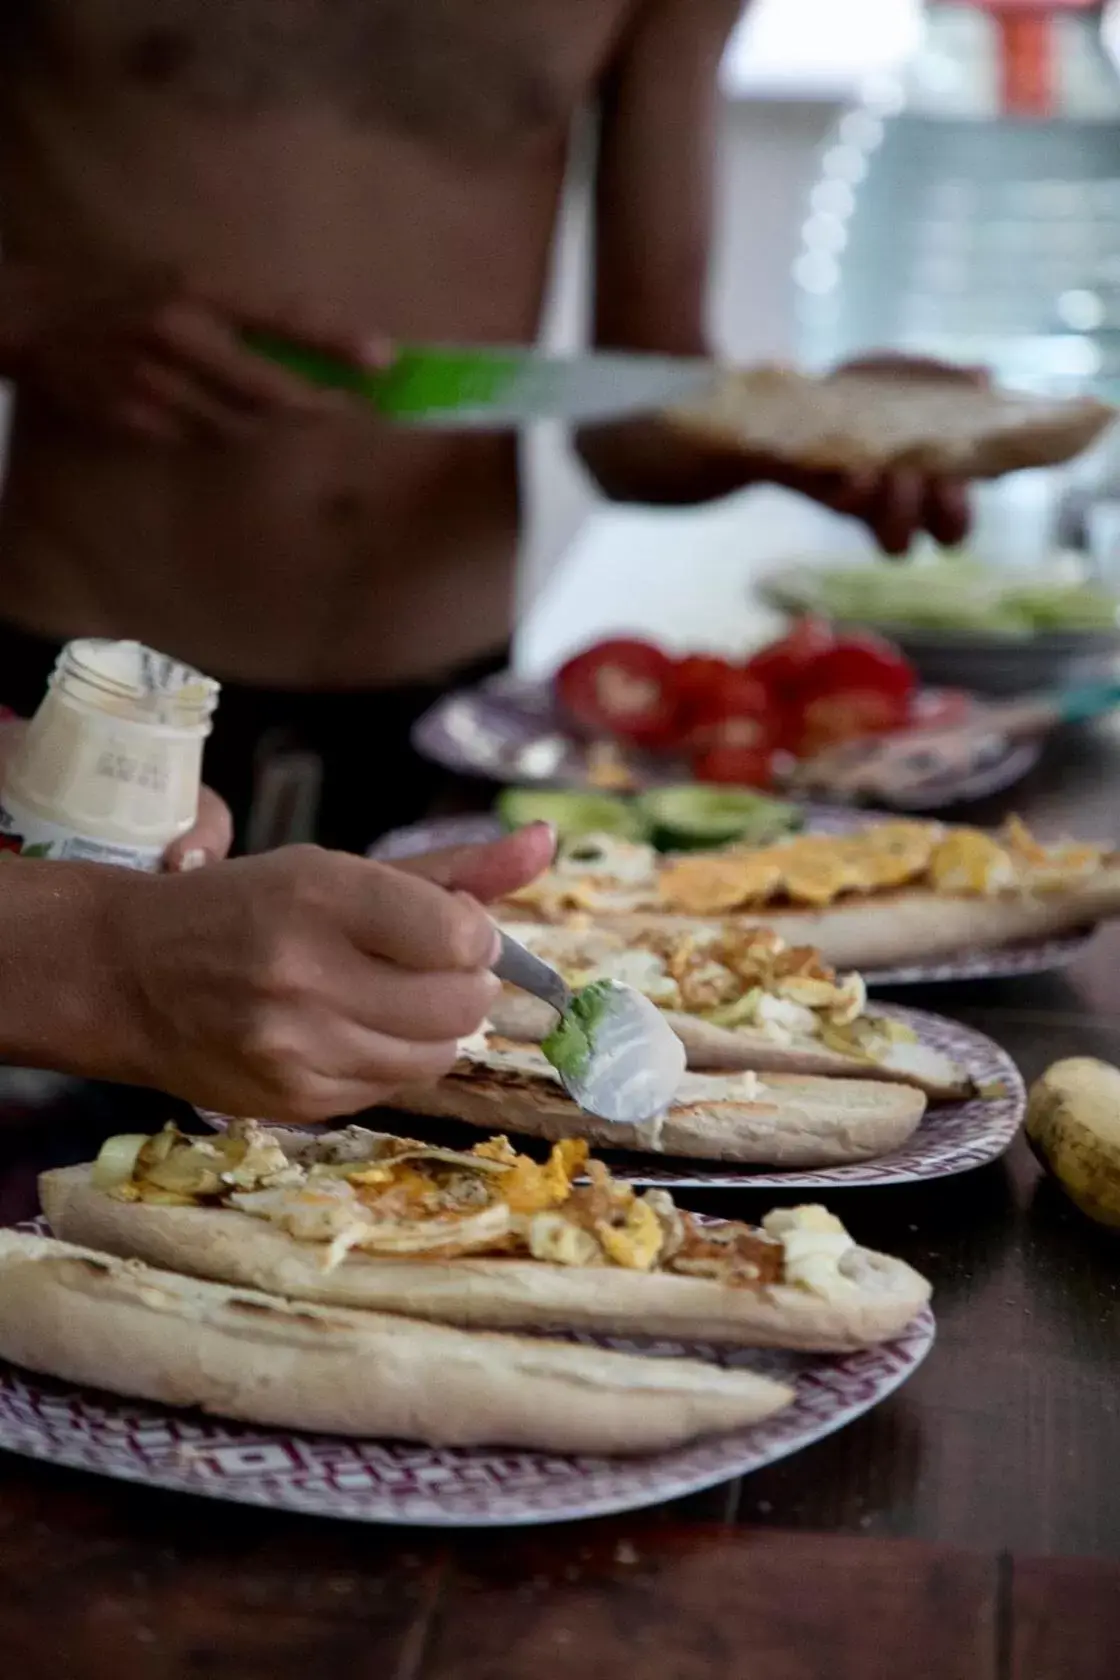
(370, 351)
(413, 922)
(416, 1008)
(895, 510)
(206, 349)
(362, 1055)
(490, 871)
(947, 515)
(208, 841)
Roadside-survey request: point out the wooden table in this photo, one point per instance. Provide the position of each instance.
(969, 1527)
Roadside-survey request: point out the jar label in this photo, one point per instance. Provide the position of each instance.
(32, 836)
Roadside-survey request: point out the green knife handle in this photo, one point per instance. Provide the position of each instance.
(416, 382)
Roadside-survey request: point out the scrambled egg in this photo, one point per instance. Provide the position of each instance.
(968, 861)
(815, 1245)
(606, 875)
(409, 1199)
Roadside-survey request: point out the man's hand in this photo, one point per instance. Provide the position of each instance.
(305, 984)
(659, 129)
(898, 504)
(154, 360)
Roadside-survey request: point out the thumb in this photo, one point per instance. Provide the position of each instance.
(208, 841)
(490, 871)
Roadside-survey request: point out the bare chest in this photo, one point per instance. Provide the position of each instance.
(474, 70)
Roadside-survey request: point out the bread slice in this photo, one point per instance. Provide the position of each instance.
(884, 1293)
(84, 1317)
(785, 1120)
(867, 420)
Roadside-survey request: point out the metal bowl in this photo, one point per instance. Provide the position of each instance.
(1005, 665)
(981, 661)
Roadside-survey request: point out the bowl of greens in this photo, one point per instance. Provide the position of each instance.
(963, 624)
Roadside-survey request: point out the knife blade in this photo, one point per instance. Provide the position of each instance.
(487, 388)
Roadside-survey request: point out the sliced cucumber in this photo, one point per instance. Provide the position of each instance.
(572, 813)
(692, 816)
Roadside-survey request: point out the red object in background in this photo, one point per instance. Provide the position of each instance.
(696, 678)
(941, 708)
(783, 664)
(1026, 62)
(751, 767)
(622, 687)
(860, 686)
(731, 710)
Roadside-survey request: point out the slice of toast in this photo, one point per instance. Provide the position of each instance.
(871, 419)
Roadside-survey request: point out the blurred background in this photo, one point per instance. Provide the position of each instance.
(938, 177)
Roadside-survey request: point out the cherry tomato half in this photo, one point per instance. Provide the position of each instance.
(831, 719)
(782, 665)
(863, 662)
(736, 712)
(739, 766)
(698, 676)
(621, 687)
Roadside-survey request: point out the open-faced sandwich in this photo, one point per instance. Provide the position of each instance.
(484, 1237)
(366, 1285)
(781, 1120)
(739, 998)
(885, 893)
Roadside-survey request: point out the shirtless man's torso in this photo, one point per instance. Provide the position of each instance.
(380, 168)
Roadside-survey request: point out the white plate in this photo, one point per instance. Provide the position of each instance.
(390, 1482)
(1037, 956)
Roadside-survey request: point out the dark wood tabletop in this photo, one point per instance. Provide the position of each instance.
(968, 1527)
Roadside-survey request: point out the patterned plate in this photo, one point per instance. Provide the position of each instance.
(952, 1138)
(389, 1482)
(509, 730)
(1037, 956)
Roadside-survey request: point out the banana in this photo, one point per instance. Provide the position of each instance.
(1073, 1123)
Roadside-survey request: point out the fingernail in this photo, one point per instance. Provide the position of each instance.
(551, 830)
(495, 947)
(194, 859)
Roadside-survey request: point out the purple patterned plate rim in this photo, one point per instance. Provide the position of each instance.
(1036, 956)
(403, 1484)
(952, 1137)
(508, 729)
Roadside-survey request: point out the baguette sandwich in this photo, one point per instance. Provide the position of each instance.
(888, 893)
(480, 1238)
(782, 1120)
(72, 1313)
(738, 998)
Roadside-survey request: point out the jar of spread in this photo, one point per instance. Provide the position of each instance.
(111, 765)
